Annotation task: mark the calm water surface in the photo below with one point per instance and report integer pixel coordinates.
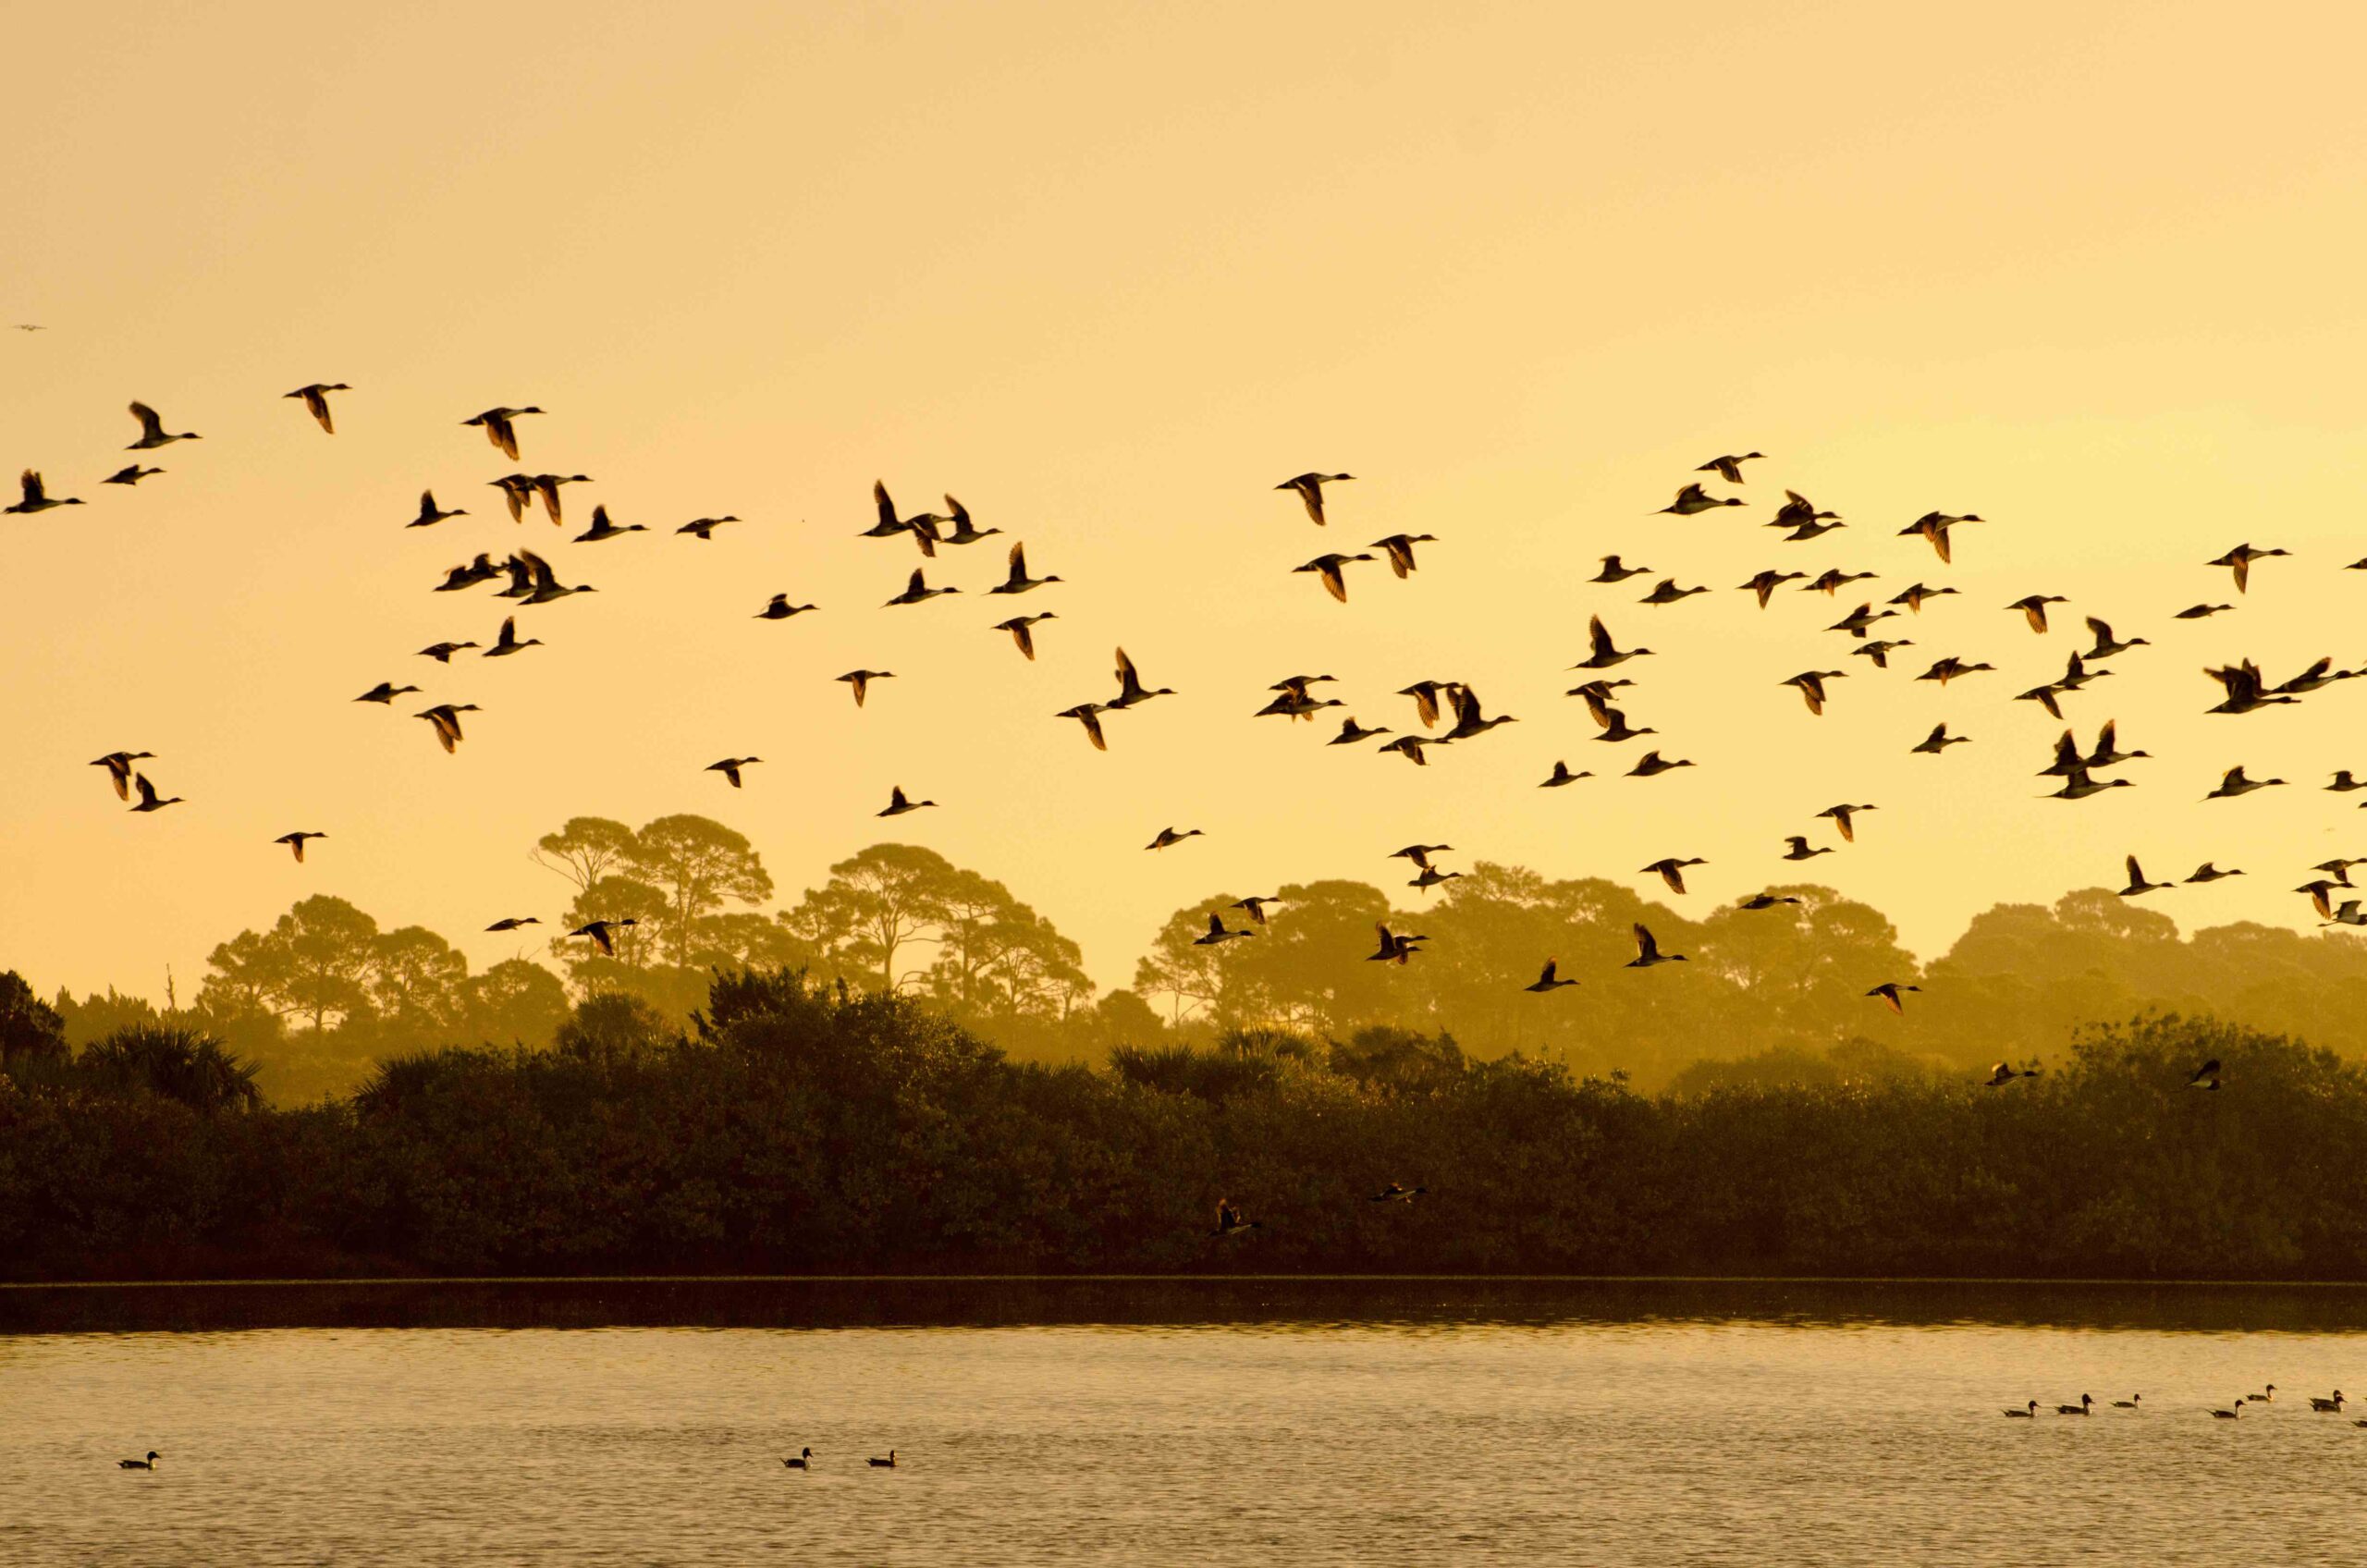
(1221, 1422)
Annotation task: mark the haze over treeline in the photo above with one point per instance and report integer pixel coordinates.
(318, 997)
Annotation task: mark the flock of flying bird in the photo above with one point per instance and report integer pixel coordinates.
(529, 580)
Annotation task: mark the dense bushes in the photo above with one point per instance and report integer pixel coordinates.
(793, 1130)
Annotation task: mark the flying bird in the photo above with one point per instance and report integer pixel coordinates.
(152, 431)
(1020, 627)
(859, 681)
(1168, 836)
(603, 933)
(1018, 581)
(1888, 991)
(702, 528)
(119, 767)
(1647, 952)
(132, 474)
(496, 423)
(1729, 468)
(295, 841)
(37, 498)
(1400, 549)
(316, 400)
(897, 805)
(1693, 499)
(1328, 567)
(1310, 490)
(148, 801)
(385, 691)
(730, 767)
(1545, 981)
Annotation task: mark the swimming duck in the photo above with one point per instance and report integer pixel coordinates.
(2137, 886)
(316, 400)
(1647, 952)
(2240, 560)
(1654, 764)
(446, 719)
(147, 1463)
(131, 475)
(603, 933)
(1800, 851)
(804, 1460)
(886, 1463)
(1546, 981)
(1842, 818)
(897, 805)
(1765, 583)
(1351, 732)
(385, 691)
(2235, 1409)
(1131, 690)
(148, 801)
(2033, 608)
(295, 841)
(37, 498)
(1328, 568)
(2029, 1413)
(2334, 1403)
(1168, 836)
(2234, 784)
(514, 921)
(2079, 1409)
(1088, 715)
(1310, 490)
(1613, 572)
(1670, 870)
(1022, 631)
(1939, 741)
(2267, 1395)
(1400, 549)
(152, 431)
(1811, 686)
(496, 423)
(1561, 775)
(1729, 468)
(1934, 526)
(1668, 592)
(506, 641)
(119, 767)
(1018, 581)
(1693, 499)
(2131, 1403)
(1914, 595)
(1217, 934)
(730, 767)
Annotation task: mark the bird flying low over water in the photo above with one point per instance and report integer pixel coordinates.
(295, 842)
(1889, 992)
(730, 767)
(1021, 629)
(1168, 836)
(897, 805)
(119, 767)
(603, 933)
(152, 431)
(37, 498)
(316, 400)
(496, 423)
(1310, 490)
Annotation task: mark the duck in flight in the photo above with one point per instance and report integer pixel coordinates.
(780, 608)
(497, 428)
(1765, 900)
(1018, 581)
(482, 569)
(514, 921)
(1860, 621)
(1410, 748)
(1832, 580)
(1729, 468)
(445, 718)
(316, 402)
(1217, 934)
(2202, 612)
(1088, 715)
(730, 767)
(859, 682)
(1765, 583)
(2240, 560)
(1328, 568)
(506, 641)
(1648, 950)
(1393, 948)
(1668, 592)
(1560, 776)
(963, 533)
(1914, 595)
(1255, 905)
(148, 801)
(1603, 653)
(1397, 1192)
(603, 529)
(1399, 549)
(1934, 526)
(1800, 849)
(2033, 608)
(1654, 765)
(1693, 499)
(430, 514)
(1949, 668)
(918, 591)
(702, 528)
(1842, 816)
(132, 474)
(152, 431)
(2235, 783)
(1889, 991)
(295, 842)
(1131, 691)
(1811, 686)
(2137, 887)
(1351, 732)
(603, 933)
(1310, 490)
(119, 767)
(1670, 870)
(2106, 644)
(2246, 690)
(37, 498)
(1168, 836)
(441, 653)
(1229, 1223)
(1546, 981)
(1939, 741)
(2078, 784)
(2208, 872)
(897, 805)
(1613, 572)
(1022, 631)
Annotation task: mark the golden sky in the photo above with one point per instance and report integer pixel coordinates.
(1109, 273)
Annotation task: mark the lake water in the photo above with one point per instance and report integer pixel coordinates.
(1213, 1422)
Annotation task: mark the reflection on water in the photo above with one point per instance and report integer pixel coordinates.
(1206, 1421)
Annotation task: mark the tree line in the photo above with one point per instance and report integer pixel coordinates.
(792, 1126)
(324, 993)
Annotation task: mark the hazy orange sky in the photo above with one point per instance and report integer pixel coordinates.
(1108, 273)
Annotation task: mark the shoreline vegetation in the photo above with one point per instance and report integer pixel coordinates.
(797, 1128)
